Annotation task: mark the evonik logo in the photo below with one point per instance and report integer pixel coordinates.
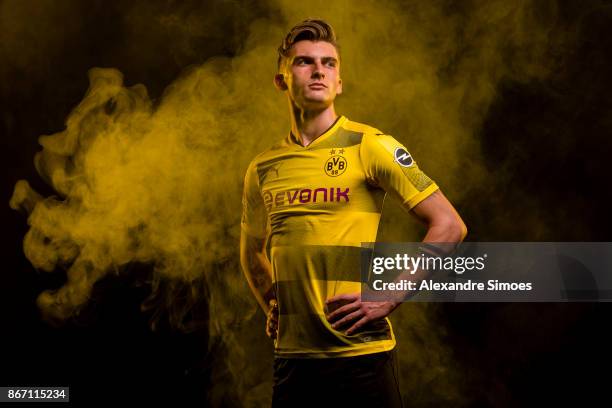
(305, 195)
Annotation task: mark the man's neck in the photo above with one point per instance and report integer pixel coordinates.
(307, 126)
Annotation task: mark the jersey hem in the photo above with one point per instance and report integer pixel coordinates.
(352, 352)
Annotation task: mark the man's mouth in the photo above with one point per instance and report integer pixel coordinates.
(317, 85)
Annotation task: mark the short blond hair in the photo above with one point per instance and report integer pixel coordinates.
(309, 29)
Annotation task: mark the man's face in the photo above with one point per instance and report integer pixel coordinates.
(311, 74)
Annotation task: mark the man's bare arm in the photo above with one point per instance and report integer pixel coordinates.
(257, 268)
(443, 222)
(444, 226)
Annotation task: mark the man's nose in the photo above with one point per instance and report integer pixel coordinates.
(318, 71)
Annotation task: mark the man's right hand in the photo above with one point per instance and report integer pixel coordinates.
(272, 319)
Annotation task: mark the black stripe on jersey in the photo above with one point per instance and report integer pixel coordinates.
(342, 138)
(273, 166)
(333, 262)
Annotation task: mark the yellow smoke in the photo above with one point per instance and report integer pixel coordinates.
(160, 183)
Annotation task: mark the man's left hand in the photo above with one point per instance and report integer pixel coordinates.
(353, 310)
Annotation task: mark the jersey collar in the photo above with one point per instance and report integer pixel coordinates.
(336, 125)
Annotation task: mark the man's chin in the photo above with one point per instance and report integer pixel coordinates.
(316, 103)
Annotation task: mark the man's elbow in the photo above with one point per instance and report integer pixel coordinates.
(459, 230)
(456, 230)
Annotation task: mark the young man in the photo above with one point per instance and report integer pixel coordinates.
(309, 202)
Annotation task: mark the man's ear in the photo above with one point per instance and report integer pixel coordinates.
(279, 82)
(339, 90)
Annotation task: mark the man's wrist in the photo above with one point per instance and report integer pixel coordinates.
(394, 303)
(270, 294)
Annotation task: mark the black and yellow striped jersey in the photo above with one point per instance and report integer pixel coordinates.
(317, 204)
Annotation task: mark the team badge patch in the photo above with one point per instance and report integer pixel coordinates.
(403, 157)
(335, 166)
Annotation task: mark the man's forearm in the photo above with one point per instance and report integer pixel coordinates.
(453, 232)
(258, 272)
(448, 237)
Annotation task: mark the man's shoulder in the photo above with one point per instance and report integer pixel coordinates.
(363, 128)
(374, 140)
(370, 136)
(269, 152)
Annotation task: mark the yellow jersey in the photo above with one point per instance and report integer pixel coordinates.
(316, 205)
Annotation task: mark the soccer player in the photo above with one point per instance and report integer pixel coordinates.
(309, 202)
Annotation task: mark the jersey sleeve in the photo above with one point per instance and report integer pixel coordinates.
(389, 165)
(254, 220)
